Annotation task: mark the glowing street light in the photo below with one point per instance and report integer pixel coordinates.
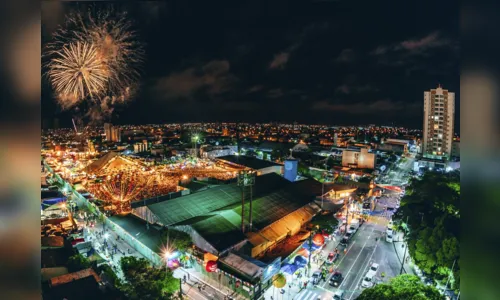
(167, 255)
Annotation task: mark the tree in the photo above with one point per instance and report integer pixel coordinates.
(430, 210)
(325, 222)
(146, 282)
(265, 156)
(275, 154)
(365, 180)
(78, 262)
(176, 239)
(330, 162)
(251, 153)
(401, 287)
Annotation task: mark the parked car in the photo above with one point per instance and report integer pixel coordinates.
(344, 241)
(332, 257)
(373, 269)
(316, 277)
(389, 231)
(336, 279)
(339, 295)
(388, 238)
(367, 281)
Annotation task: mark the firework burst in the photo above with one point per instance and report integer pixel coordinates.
(77, 72)
(115, 55)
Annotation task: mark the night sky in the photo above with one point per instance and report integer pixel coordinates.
(318, 62)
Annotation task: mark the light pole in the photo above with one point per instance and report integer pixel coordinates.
(347, 214)
(310, 253)
(404, 257)
(323, 189)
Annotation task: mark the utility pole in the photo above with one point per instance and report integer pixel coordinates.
(404, 257)
(347, 215)
(451, 274)
(310, 252)
(323, 189)
(243, 209)
(250, 213)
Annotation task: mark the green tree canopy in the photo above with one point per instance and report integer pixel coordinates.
(325, 222)
(431, 211)
(176, 240)
(402, 287)
(142, 281)
(78, 262)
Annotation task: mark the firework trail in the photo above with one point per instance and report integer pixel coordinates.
(111, 48)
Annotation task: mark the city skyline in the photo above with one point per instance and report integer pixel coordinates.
(338, 66)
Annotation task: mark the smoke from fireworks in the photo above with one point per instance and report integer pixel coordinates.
(94, 57)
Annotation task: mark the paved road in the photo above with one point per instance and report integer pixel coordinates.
(363, 250)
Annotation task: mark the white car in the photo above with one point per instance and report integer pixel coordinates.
(367, 281)
(373, 269)
(388, 238)
(389, 231)
(339, 295)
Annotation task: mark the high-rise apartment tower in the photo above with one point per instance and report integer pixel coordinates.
(439, 123)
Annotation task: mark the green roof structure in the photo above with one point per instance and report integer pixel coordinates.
(200, 203)
(222, 228)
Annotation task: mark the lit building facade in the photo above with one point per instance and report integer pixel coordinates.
(107, 131)
(439, 123)
(358, 159)
(116, 134)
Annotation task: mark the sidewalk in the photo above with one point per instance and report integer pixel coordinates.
(108, 253)
(297, 285)
(408, 267)
(198, 285)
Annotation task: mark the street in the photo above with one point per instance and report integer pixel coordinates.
(367, 246)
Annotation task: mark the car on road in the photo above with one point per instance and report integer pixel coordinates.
(351, 230)
(316, 277)
(344, 241)
(348, 235)
(373, 269)
(339, 295)
(332, 257)
(336, 279)
(368, 281)
(388, 231)
(388, 238)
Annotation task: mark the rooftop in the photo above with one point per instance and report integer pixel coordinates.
(222, 228)
(137, 228)
(74, 276)
(248, 161)
(203, 202)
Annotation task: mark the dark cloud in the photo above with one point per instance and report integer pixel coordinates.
(345, 56)
(378, 106)
(416, 45)
(275, 93)
(279, 61)
(213, 77)
(350, 89)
